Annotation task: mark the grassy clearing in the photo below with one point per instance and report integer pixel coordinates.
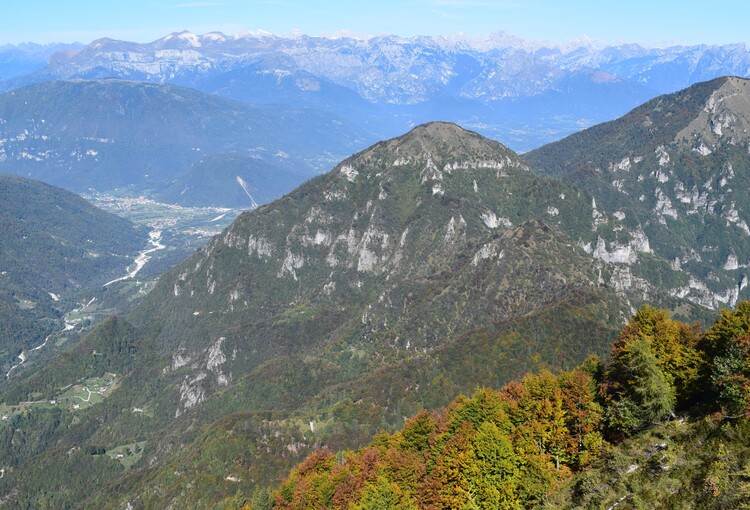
(80, 395)
(128, 454)
(87, 392)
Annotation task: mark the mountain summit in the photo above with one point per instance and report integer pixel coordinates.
(415, 257)
(420, 267)
(417, 211)
(724, 116)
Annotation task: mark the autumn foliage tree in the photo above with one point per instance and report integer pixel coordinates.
(498, 449)
(727, 350)
(653, 367)
(509, 449)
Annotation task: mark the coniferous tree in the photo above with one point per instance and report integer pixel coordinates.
(727, 349)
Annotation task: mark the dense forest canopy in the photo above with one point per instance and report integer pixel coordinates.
(549, 434)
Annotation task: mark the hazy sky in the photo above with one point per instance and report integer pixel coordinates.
(643, 21)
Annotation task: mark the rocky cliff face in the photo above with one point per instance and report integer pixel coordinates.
(393, 254)
(400, 226)
(670, 181)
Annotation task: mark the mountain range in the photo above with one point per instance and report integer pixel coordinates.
(670, 179)
(338, 95)
(523, 92)
(22, 59)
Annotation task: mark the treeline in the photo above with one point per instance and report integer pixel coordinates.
(510, 448)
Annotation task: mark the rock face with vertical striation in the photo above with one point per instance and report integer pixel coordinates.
(401, 247)
(670, 180)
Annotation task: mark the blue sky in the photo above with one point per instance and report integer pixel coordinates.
(647, 22)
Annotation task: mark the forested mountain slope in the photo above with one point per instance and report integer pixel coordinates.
(672, 177)
(426, 265)
(52, 244)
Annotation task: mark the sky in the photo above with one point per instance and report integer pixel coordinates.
(648, 22)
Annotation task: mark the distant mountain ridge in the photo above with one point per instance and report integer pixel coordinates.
(524, 93)
(107, 134)
(21, 59)
(360, 64)
(234, 179)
